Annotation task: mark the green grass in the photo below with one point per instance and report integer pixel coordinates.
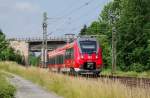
(145, 74)
(6, 89)
(75, 87)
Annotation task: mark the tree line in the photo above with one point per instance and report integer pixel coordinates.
(6, 52)
(132, 25)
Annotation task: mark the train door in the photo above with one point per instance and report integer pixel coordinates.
(69, 57)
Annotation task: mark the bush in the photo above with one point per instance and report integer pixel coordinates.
(33, 60)
(6, 89)
(137, 67)
(106, 50)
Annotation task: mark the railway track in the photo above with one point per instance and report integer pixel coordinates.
(129, 81)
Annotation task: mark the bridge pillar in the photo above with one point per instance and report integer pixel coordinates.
(23, 48)
(26, 54)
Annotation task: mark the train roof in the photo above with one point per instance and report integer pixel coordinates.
(69, 45)
(86, 39)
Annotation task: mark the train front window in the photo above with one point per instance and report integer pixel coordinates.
(88, 46)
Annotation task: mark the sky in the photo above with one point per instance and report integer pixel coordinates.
(23, 18)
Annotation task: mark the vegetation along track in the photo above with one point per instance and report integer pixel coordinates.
(129, 81)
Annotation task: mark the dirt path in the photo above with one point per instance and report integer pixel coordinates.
(26, 89)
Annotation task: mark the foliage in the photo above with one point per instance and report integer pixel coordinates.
(106, 48)
(83, 30)
(6, 52)
(133, 33)
(143, 74)
(132, 38)
(137, 67)
(6, 90)
(33, 60)
(3, 42)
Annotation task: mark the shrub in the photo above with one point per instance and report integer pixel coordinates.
(137, 67)
(6, 89)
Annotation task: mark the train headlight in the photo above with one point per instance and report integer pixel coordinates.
(89, 57)
(96, 56)
(82, 57)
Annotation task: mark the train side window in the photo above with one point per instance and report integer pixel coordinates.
(52, 61)
(60, 59)
(66, 54)
(55, 60)
(49, 60)
(69, 53)
(63, 57)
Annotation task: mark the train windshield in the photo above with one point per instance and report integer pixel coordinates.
(88, 46)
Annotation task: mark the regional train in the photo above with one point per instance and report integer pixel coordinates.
(82, 56)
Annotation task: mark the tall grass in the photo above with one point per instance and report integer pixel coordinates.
(76, 87)
(6, 89)
(145, 74)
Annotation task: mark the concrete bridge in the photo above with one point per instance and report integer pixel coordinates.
(27, 45)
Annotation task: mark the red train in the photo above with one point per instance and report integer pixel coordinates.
(83, 56)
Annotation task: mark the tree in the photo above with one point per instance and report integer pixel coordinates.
(133, 33)
(132, 38)
(6, 52)
(33, 59)
(3, 43)
(83, 30)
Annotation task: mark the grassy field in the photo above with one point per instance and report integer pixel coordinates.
(129, 73)
(6, 89)
(75, 87)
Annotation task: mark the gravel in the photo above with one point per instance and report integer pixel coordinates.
(26, 89)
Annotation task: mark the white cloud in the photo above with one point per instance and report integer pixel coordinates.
(19, 16)
(25, 6)
(7, 6)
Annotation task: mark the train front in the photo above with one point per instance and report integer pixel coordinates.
(88, 56)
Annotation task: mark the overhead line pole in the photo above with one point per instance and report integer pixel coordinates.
(114, 43)
(44, 42)
(114, 56)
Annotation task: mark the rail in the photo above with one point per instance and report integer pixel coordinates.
(129, 81)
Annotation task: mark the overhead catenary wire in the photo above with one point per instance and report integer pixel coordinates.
(59, 17)
(62, 17)
(72, 11)
(77, 9)
(86, 14)
(78, 18)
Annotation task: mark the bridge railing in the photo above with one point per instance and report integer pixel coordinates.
(30, 39)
